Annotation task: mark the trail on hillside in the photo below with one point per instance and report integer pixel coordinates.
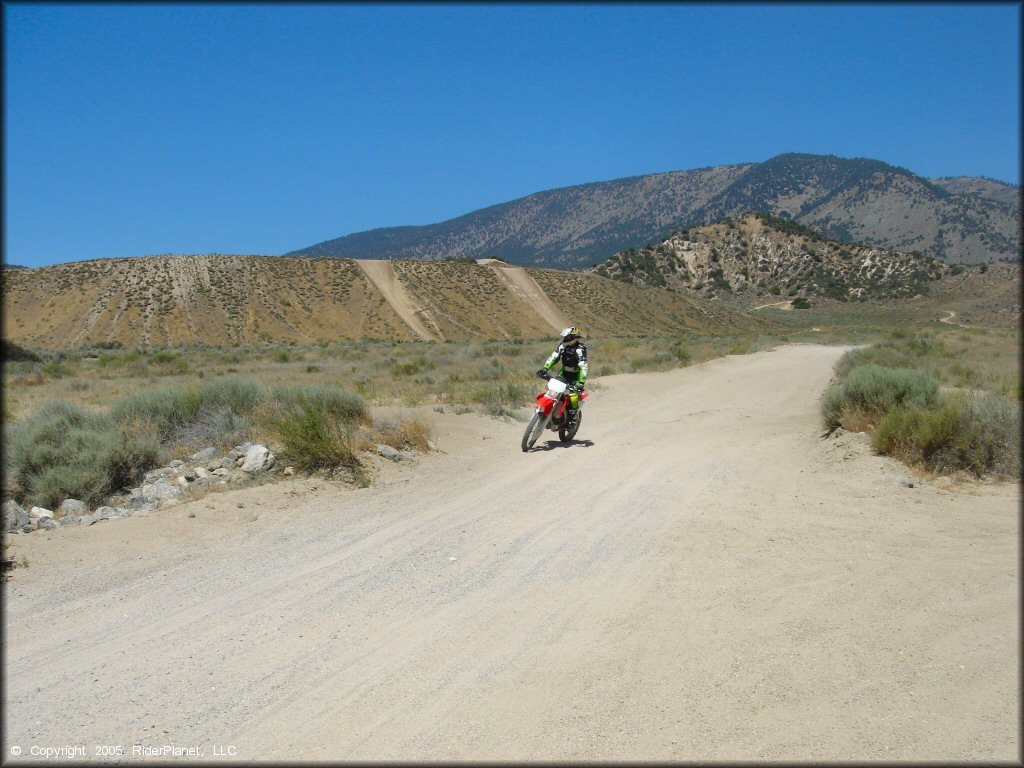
(382, 274)
(948, 319)
(520, 282)
(706, 579)
(783, 304)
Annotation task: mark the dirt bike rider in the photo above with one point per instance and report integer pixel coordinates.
(573, 355)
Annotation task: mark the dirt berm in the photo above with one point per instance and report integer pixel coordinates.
(700, 577)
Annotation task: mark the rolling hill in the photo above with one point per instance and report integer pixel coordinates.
(226, 299)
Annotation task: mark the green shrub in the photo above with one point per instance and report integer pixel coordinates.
(979, 435)
(658, 361)
(1000, 431)
(63, 452)
(503, 392)
(889, 357)
(57, 370)
(168, 409)
(832, 406)
(314, 442)
(329, 401)
(237, 395)
(316, 425)
(877, 389)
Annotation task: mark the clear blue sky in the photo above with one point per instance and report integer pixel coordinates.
(258, 129)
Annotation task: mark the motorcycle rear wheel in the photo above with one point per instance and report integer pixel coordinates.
(565, 434)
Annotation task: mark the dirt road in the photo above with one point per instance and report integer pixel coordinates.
(707, 580)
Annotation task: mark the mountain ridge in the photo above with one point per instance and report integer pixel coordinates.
(968, 219)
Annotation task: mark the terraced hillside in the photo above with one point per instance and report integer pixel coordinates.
(226, 299)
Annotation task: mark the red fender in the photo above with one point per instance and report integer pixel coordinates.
(544, 403)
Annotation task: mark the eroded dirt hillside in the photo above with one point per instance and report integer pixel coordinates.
(216, 299)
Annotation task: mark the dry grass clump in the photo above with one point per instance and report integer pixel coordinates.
(401, 434)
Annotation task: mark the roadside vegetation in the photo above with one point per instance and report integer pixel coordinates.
(88, 423)
(107, 414)
(945, 402)
(64, 450)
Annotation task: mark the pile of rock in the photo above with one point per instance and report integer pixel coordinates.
(159, 488)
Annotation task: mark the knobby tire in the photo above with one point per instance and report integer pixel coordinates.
(533, 430)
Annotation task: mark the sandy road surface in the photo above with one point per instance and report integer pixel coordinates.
(710, 580)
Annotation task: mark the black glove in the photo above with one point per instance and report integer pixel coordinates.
(542, 373)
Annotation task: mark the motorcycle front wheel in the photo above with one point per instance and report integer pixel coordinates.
(533, 430)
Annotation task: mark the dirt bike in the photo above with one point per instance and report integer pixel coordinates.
(552, 405)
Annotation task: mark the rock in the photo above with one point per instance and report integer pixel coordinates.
(907, 482)
(176, 463)
(201, 473)
(391, 454)
(189, 475)
(155, 475)
(222, 472)
(37, 512)
(238, 476)
(139, 502)
(289, 471)
(215, 464)
(161, 492)
(72, 507)
(257, 459)
(206, 454)
(69, 519)
(228, 462)
(182, 481)
(15, 518)
(90, 519)
(48, 524)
